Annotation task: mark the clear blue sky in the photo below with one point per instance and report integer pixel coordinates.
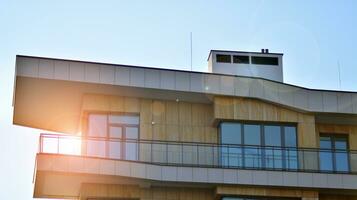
(313, 35)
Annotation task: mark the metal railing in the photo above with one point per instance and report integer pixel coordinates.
(204, 154)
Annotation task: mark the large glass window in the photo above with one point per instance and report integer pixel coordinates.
(113, 136)
(333, 153)
(258, 145)
(252, 153)
(231, 155)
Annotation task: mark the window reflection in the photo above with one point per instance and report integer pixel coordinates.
(257, 146)
(333, 153)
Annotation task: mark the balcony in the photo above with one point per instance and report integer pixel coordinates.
(187, 154)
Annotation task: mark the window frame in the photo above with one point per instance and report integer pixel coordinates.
(333, 137)
(108, 125)
(262, 142)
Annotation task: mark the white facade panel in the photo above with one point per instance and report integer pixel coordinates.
(46, 69)
(107, 74)
(27, 67)
(344, 103)
(301, 99)
(212, 83)
(329, 101)
(61, 70)
(315, 100)
(227, 85)
(197, 83)
(122, 76)
(184, 174)
(241, 86)
(92, 73)
(152, 78)
(167, 80)
(137, 77)
(169, 173)
(182, 80)
(76, 71)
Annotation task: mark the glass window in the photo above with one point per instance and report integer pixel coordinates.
(259, 60)
(333, 153)
(291, 154)
(97, 125)
(252, 134)
(114, 129)
(255, 145)
(273, 154)
(241, 59)
(252, 154)
(231, 155)
(131, 147)
(223, 58)
(123, 119)
(272, 136)
(231, 133)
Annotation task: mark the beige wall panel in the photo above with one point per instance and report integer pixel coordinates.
(286, 115)
(186, 133)
(172, 112)
(116, 103)
(241, 110)
(146, 131)
(173, 132)
(96, 102)
(270, 113)
(255, 110)
(223, 108)
(199, 114)
(131, 105)
(159, 132)
(306, 135)
(211, 135)
(158, 111)
(198, 134)
(145, 111)
(185, 113)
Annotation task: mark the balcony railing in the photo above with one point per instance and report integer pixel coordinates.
(204, 154)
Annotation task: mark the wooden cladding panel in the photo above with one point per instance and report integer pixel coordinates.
(105, 191)
(159, 120)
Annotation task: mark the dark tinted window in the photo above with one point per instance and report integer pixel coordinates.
(265, 60)
(232, 133)
(223, 58)
(241, 59)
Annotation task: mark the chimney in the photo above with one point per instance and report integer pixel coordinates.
(262, 51)
(266, 50)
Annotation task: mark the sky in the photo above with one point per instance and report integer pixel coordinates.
(315, 36)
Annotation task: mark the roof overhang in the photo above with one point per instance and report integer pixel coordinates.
(48, 91)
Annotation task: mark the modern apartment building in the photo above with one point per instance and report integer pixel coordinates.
(235, 132)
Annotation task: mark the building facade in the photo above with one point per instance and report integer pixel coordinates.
(236, 132)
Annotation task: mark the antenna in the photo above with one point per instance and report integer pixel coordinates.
(339, 73)
(191, 48)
